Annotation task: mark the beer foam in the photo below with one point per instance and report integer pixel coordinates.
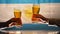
(36, 6)
(17, 10)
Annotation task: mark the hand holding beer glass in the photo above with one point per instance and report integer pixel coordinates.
(16, 21)
(35, 9)
(36, 17)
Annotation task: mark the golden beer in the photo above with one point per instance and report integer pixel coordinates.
(17, 13)
(36, 9)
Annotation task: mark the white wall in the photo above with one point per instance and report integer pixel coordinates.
(51, 10)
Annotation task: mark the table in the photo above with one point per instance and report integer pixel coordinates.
(35, 27)
(32, 29)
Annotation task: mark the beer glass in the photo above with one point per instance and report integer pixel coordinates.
(17, 13)
(36, 9)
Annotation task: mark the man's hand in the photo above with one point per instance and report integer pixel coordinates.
(39, 18)
(14, 21)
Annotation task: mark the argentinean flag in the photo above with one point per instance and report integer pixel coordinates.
(48, 8)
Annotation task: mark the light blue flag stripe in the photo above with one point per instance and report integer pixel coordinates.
(28, 1)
